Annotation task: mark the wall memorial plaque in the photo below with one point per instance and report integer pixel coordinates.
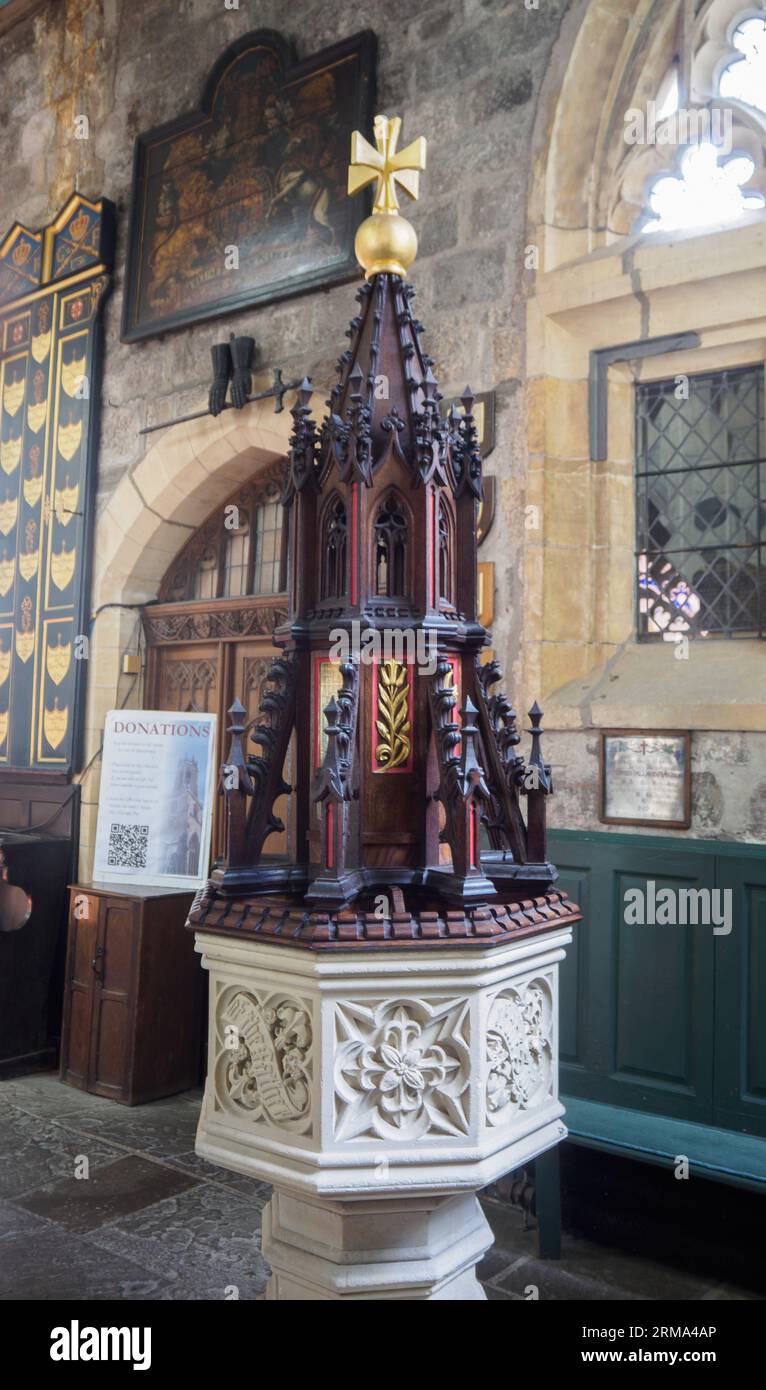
(244, 201)
(646, 778)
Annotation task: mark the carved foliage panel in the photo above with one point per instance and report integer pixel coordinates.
(520, 1049)
(264, 1058)
(402, 1069)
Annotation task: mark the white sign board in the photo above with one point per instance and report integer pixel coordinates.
(156, 802)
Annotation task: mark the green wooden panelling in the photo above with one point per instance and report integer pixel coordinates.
(740, 1089)
(664, 1020)
(712, 1152)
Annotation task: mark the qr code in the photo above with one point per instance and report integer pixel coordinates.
(127, 846)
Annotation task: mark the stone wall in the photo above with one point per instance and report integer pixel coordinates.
(464, 73)
(480, 79)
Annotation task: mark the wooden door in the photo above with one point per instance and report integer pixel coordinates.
(113, 998)
(79, 989)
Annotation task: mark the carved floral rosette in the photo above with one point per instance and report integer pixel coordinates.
(519, 1050)
(402, 1069)
(264, 1058)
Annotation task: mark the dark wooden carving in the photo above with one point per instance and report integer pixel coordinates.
(338, 879)
(407, 772)
(252, 783)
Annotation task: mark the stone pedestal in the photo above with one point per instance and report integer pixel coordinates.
(378, 1091)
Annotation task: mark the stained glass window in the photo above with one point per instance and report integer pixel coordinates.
(701, 506)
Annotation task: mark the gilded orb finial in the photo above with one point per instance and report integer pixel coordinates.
(386, 241)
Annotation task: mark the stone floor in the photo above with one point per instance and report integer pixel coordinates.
(153, 1221)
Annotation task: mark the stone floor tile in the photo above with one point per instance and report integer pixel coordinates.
(638, 1276)
(238, 1182)
(128, 1184)
(34, 1153)
(206, 1236)
(554, 1281)
(14, 1221)
(160, 1128)
(55, 1264)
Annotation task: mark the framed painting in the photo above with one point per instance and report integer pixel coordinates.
(243, 202)
(646, 777)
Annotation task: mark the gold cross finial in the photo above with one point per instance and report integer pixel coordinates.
(385, 165)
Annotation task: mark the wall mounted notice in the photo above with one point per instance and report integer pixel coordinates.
(156, 801)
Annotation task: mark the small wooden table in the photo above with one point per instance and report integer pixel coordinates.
(133, 993)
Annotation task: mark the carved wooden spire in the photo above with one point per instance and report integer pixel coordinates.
(406, 767)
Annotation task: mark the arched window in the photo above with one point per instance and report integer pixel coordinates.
(712, 172)
(446, 551)
(334, 550)
(391, 548)
(240, 550)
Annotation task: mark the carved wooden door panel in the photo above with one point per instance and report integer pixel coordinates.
(189, 678)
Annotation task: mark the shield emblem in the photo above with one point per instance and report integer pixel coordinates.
(36, 415)
(28, 564)
(72, 374)
(25, 645)
(55, 723)
(69, 439)
(62, 567)
(7, 568)
(13, 395)
(41, 345)
(58, 660)
(32, 489)
(10, 453)
(9, 510)
(65, 503)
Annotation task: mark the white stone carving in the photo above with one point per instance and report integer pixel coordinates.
(402, 1068)
(519, 1050)
(264, 1065)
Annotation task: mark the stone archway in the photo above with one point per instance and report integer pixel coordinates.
(155, 507)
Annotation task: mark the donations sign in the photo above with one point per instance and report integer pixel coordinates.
(156, 801)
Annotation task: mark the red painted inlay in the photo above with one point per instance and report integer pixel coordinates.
(472, 838)
(431, 547)
(330, 836)
(354, 538)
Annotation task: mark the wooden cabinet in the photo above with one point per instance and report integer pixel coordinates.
(133, 994)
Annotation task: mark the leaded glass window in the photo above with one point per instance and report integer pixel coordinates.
(267, 558)
(700, 508)
(236, 547)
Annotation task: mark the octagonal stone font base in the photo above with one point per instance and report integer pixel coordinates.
(378, 1092)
